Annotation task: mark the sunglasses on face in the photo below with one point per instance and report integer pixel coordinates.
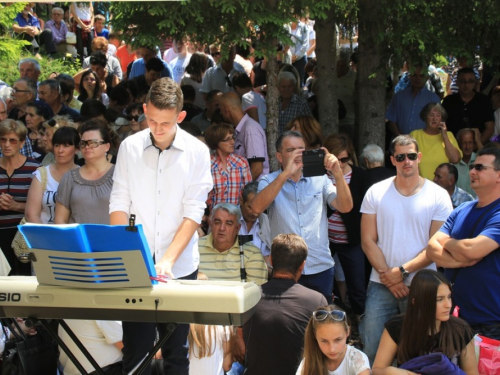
(402, 157)
(214, 54)
(321, 315)
(480, 167)
(92, 143)
(135, 118)
(344, 160)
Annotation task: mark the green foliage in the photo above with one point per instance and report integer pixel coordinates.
(10, 48)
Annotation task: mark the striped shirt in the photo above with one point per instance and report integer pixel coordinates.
(17, 186)
(337, 232)
(228, 183)
(226, 265)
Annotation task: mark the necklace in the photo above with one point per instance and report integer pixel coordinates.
(411, 192)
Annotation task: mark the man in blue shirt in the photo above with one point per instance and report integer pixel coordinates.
(297, 204)
(139, 65)
(28, 26)
(100, 30)
(403, 113)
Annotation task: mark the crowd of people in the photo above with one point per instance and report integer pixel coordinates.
(178, 139)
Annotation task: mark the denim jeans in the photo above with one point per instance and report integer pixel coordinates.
(321, 282)
(381, 306)
(138, 340)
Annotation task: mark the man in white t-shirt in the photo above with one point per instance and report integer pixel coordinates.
(251, 102)
(102, 339)
(400, 214)
(179, 63)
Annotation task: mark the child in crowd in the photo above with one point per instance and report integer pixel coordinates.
(427, 327)
(326, 351)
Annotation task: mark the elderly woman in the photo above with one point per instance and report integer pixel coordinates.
(344, 229)
(436, 144)
(310, 130)
(230, 172)
(15, 177)
(47, 132)
(36, 113)
(41, 203)
(83, 193)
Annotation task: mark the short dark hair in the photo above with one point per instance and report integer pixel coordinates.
(30, 85)
(188, 92)
(96, 124)
(215, 133)
(92, 108)
(165, 94)
(289, 133)
(53, 84)
(242, 80)
(67, 79)
(491, 151)
(250, 188)
(288, 252)
(452, 170)
(191, 128)
(402, 140)
(154, 64)
(466, 70)
(211, 94)
(120, 95)
(66, 135)
(98, 58)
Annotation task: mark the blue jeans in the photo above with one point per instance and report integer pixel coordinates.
(381, 306)
(138, 341)
(321, 282)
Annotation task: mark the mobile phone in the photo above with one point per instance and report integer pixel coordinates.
(313, 161)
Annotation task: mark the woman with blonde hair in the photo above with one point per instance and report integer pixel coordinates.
(310, 130)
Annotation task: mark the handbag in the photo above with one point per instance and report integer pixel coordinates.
(70, 37)
(29, 355)
(489, 356)
(19, 244)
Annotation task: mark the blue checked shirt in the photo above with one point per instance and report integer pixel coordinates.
(298, 106)
(300, 208)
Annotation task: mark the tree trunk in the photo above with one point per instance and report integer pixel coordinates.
(326, 55)
(371, 75)
(272, 112)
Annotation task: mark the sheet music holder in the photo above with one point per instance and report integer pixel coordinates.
(90, 255)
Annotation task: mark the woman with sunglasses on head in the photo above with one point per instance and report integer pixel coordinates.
(230, 172)
(427, 327)
(91, 88)
(344, 229)
(36, 113)
(41, 203)
(326, 351)
(15, 177)
(436, 144)
(83, 194)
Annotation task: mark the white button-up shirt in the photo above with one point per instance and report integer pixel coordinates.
(163, 188)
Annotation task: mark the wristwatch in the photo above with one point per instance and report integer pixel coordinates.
(404, 272)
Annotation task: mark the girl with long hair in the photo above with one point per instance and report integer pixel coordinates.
(326, 351)
(426, 327)
(209, 350)
(91, 88)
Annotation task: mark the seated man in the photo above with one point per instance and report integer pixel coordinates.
(220, 250)
(468, 140)
(154, 67)
(446, 176)
(100, 30)
(274, 335)
(59, 30)
(251, 223)
(28, 26)
(49, 92)
(102, 339)
(139, 66)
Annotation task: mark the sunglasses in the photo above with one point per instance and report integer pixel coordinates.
(480, 167)
(401, 157)
(321, 315)
(213, 54)
(92, 143)
(344, 160)
(12, 141)
(135, 118)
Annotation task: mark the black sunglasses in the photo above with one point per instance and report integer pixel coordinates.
(401, 157)
(480, 167)
(213, 54)
(135, 118)
(344, 160)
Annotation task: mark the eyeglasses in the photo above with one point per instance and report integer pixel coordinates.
(213, 54)
(229, 139)
(135, 118)
(92, 143)
(12, 141)
(15, 91)
(344, 160)
(401, 157)
(228, 81)
(321, 315)
(480, 167)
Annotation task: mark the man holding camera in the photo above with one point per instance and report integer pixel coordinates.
(297, 204)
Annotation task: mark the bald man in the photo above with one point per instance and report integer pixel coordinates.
(250, 137)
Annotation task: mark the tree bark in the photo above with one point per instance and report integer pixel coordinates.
(272, 112)
(326, 72)
(371, 75)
